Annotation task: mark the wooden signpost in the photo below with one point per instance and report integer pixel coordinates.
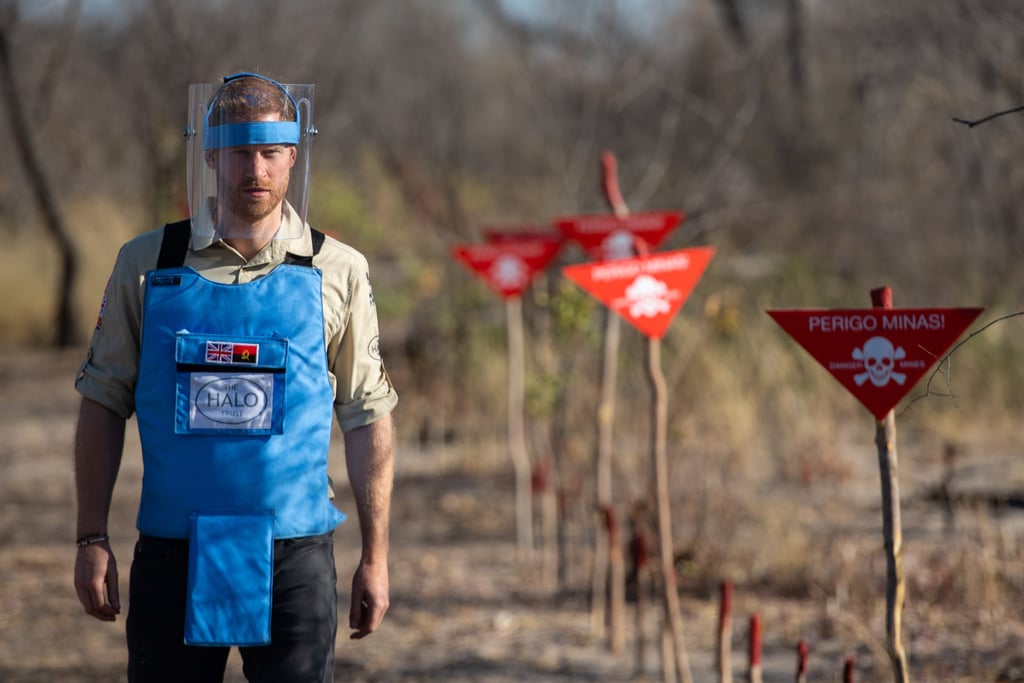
(608, 237)
(647, 291)
(540, 485)
(879, 354)
(508, 266)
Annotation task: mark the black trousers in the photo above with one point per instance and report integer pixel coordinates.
(304, 617)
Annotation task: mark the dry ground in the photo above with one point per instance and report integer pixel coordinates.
(463, 607)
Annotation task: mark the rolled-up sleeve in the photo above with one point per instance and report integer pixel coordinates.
(109, 371)
(363, 389)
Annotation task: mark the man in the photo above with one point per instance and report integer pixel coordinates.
(233, 337)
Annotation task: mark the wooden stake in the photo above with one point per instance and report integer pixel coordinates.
(639, 550)
(517, 428)
(672, 641)
(725, 634)
(666, 547)
(617, 564)
(754, 672)
(801, 662)
(608, 560)
(895, 589)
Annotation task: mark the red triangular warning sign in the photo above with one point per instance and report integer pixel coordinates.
(647, 291)
(508, 266)
(521, 233)
(878, 354)
(606, 236)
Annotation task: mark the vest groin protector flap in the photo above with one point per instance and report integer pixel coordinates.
(230, 576)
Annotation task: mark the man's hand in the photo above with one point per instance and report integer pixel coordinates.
(96, 581)
(369, 599)
(369, 457)
(99, 439)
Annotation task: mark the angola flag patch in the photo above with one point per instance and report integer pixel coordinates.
(232, 353)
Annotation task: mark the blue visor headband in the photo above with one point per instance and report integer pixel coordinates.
(251, 132)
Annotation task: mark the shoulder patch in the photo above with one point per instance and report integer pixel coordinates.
(370, 286)
(103, 306)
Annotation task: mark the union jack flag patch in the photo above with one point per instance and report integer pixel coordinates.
(219, 352)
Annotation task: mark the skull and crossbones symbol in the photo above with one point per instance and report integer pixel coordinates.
(879, 356)
(648, 297)
(618, 245)
(509, 271)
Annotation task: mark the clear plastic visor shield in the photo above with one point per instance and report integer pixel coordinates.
(231, 181)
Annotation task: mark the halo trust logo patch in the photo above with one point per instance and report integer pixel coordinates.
(374, 348)
(231, 401)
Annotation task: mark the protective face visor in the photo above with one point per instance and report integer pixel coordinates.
(248, 151)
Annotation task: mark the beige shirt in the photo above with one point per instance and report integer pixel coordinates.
(362, 389)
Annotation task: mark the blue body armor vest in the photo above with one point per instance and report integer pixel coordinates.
(233, 401)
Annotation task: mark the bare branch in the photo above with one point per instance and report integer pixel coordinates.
(977, 122)
(58, 58)
(735, 23)
(947, 362)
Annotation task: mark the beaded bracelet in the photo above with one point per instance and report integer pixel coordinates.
(90, 539)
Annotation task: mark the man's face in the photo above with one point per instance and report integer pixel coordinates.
(252, 179)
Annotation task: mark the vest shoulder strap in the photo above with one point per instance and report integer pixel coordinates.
(317, 238)
(174, 245)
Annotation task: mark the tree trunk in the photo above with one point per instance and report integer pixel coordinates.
(66, 331)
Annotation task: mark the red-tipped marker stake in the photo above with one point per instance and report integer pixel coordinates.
(755, 649)
(801, 662)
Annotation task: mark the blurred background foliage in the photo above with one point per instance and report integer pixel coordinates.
(810, 142)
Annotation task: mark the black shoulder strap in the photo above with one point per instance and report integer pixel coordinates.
(174, 245)
(317, 238)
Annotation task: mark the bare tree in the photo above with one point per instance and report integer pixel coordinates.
(65, 329)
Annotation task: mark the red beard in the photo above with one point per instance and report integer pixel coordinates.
(243, 204)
